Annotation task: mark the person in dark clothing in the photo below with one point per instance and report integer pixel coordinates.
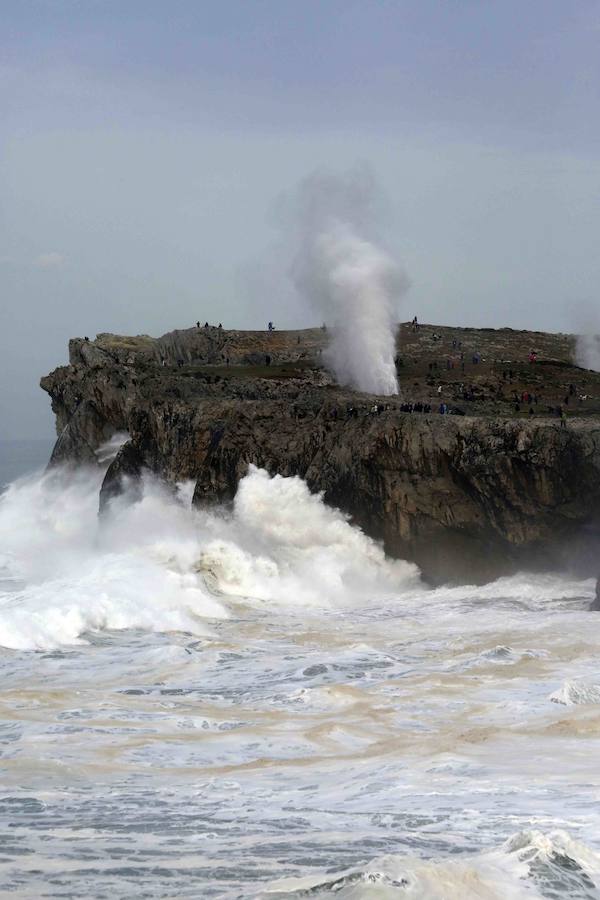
(267, 360)
(206, 324)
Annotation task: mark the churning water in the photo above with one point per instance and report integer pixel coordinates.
(259, 704)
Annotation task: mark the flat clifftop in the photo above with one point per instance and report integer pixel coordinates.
(432, 357)
(499, 481)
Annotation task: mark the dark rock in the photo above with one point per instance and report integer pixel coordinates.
(84, 432)
(123, 475)
(465, 496)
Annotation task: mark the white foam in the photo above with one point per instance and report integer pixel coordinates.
(575, 693)
(289, 547)
(157, 564)
(524, 867)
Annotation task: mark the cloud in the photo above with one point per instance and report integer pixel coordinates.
(49, 261)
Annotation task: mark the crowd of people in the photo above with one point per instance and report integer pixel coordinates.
(353, 412)
(525, 400)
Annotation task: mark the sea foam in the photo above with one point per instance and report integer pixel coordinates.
(160, 565)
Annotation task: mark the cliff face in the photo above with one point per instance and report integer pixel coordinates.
(465, 496)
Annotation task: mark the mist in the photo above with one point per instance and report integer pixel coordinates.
(342, 271)
(587, 348)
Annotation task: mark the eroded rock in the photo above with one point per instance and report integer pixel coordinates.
(466, 497)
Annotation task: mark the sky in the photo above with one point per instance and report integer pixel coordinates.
(145, 144)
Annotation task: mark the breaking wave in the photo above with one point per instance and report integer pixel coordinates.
(529, 864)
(160, 565)
(227, 698)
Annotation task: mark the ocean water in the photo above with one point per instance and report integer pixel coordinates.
(20, 457)
(258, 703)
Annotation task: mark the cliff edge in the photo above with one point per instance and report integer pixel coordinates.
(497, 482)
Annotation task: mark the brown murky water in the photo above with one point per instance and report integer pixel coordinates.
(263, 705)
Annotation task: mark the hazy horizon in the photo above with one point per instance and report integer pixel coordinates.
(145, 149)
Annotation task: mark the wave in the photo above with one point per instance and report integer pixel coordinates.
(576, 693)
(159, 564)
(529, 864)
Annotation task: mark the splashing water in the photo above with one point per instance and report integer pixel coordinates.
(150, 564)
(260, 703)
(588, 351)
(340, 268)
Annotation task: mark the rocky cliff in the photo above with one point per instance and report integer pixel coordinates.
(497, 482)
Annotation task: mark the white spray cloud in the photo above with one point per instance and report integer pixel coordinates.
(586, 319)
(340, 267)
(160, 565)
(587, 351)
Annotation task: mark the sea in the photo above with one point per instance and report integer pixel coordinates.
(258, 703)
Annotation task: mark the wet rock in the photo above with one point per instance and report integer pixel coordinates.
(466, 497)
(123, 475)
(83, 433)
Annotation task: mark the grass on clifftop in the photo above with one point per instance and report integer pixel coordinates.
(136, 343)
(284, 370)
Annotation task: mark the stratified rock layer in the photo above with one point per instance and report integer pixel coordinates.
(466, 495)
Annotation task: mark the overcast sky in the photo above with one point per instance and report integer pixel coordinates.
(144, 144)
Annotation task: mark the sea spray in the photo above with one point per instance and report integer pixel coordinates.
(587, 351)
(586, 319)
(159, 565)
(248, 718)
(341, 269)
